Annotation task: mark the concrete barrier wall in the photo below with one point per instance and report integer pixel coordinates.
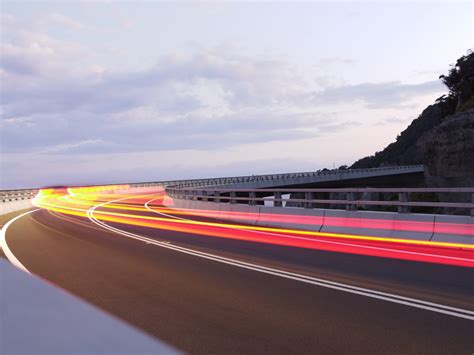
(440, 228)
(17, 205)
(135, 189)
(238, 213)
(12, 206)
(294, 218)
(39, 318)
(388, 224)
(445, 225)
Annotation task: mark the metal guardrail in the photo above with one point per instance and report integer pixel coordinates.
(12, 195)
(405, 197)
(201, 189)
(17, 195)
(222, 181)
(285, 176)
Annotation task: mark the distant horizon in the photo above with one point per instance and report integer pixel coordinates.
(167, 180)
(101, 92)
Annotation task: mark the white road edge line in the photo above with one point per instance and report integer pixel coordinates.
(322, 280)
(438, 308)
(6, 249)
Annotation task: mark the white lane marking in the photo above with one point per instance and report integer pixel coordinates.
(169, 215)
(318, 240)
(412, 302)
(6, 249)
(321, 280)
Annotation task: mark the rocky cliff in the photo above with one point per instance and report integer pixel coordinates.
(409, 147)
(442, 137)
(449, 152)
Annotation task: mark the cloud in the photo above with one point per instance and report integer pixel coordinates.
(379, 95)
(134, 167)
(30, 59)
(324, 62)
(62, 20)
(390, 121)
(58, 101)
(82, 146)
(89, 133)
(212, 98)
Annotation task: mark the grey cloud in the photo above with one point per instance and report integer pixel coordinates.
(336, 61)
(165, 107)
(88, 133)
(378, 95)
(245, 81)
(86, 146)
(390, 120)
(17, 64)
(62, 20)
(211, 99)
(106, 169)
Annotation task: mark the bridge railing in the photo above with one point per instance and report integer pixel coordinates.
(17, 195)
(13, 195)
(353, 198)
(288, 176)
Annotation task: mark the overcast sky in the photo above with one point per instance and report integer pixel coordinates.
(112, 91)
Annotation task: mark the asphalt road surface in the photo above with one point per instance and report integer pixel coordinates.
(205, 294)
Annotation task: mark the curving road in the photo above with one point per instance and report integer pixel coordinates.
(209, 287)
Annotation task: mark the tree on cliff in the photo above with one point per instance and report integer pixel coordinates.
(460, 82)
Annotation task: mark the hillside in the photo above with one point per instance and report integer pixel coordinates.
(443, 131)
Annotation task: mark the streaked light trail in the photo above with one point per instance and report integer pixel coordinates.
(120, 204)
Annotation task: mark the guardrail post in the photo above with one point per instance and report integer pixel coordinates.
(472, 200)
(252, 195)
(308, 196)
(350, 206)
(232, 197)
(403, 197)
(277, 196)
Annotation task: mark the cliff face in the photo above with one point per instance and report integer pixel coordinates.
(449, 152)
(409, 147)
(446, 148)
(442, 137)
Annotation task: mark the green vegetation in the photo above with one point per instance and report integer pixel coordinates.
(460, 82)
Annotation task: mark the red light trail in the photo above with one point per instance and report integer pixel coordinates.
(123, 205)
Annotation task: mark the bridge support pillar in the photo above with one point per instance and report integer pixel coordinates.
(351, 206)
(278, 203)
(472, 200)
(403, 197)
(308, 196)
(252, 195)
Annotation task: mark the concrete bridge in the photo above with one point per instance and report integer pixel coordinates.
(192, 259)
(389, 175)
